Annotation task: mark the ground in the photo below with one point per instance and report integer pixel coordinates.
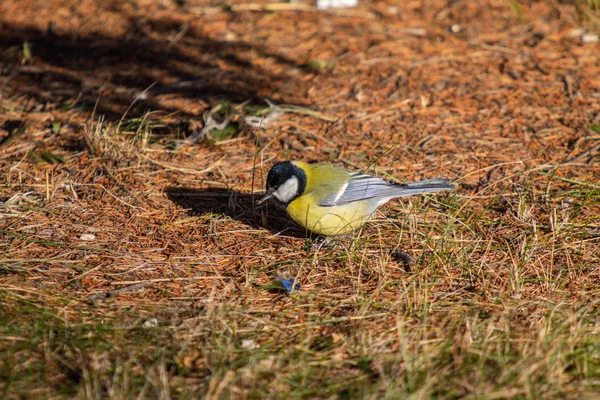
(135, 264)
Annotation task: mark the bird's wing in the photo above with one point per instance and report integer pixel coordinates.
(362, 187)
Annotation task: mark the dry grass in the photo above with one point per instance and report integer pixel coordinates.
(137, 269)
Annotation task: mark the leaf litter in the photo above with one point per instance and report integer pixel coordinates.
(494, 285)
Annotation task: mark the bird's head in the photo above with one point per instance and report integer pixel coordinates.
(285, 182)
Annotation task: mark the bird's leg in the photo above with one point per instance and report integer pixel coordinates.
(322, 241)
(325, 241)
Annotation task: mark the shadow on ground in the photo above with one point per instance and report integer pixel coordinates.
(239, 206)
(107, 74)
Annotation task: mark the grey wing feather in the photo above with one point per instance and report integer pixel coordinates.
(362, 187)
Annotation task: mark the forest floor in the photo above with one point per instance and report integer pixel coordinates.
(134, 263)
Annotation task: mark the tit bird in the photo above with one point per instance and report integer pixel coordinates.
(331, 201)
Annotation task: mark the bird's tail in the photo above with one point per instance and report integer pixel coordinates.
(426, 186)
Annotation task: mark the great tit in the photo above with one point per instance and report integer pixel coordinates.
(330, 201)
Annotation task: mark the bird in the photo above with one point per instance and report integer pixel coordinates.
(330, 201)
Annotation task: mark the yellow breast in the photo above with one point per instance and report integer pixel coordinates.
(329, 221)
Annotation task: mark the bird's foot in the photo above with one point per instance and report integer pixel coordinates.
(323, 242)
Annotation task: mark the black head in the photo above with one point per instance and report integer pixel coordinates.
(285, 182)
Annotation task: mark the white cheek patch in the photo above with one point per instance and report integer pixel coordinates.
(287, 191)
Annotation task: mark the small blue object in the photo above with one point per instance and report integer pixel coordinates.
(289, 284)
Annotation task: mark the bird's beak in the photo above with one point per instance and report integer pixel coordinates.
(266, 197)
